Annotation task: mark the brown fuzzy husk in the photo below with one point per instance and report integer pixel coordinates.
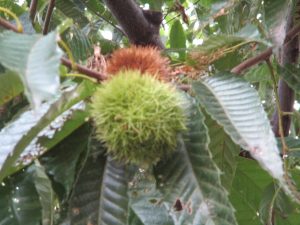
(145, 59)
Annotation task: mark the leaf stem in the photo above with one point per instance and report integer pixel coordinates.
(5, 23)
(68, 51)
(94, 80)
(271, 209)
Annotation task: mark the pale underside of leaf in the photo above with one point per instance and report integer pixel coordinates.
(36, 59)
(235, 105)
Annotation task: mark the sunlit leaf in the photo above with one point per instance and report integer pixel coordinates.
(36, 59)
(10, 86)
(235, 105)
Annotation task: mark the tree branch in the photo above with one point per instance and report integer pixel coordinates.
(48, 16)
(32, 10)
(7, 25)
(252, 61)
(65, 61)
(141, 26)
(290, 53)
(265, 54)
(83, 70)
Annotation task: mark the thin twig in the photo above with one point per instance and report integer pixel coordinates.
(84, 70)
(32, 10)
(6, 24)
(252, 61)
(265, 54)
(48, 16)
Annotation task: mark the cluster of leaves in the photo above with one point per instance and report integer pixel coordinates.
(53, 171)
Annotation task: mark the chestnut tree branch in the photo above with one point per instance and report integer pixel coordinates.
(141, 26)
(290, 54)
(252, 61)
(48, 16)
(83, 70)
(32, 10)
(7, 25)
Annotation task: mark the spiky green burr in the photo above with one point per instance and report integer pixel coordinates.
(138, 117)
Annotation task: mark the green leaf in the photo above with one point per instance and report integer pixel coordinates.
(235, 105)
(72, 10)
(178, 39)
(258, 74)
(276, 18)
(274, 203)
(13, 148)
(70, 150)
(191, 179)
(36, 59)
(86, 196)
(80, 44)
(46, 194)
(247, 190)
(290, 74)
(223, 150)
(146, 201)
(19, 200)
(114, 200)
(10, 86)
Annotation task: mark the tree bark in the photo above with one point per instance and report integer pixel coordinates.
(289, 55)
(141, 26)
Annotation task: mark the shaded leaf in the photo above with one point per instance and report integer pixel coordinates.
(14, 147)
(274, 203)
(192, 177)
(70, 150)
(223, 150)
(178, 39)
(247, 190)
(114, 200)
(84, 202)
(290, 74)
(19, 200)
(46, 194)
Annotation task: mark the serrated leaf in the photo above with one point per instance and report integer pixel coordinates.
(223, 150)
(10, 86)
(14, 146)
(84, 202)
(36, 59)
(290, 74)
(72, 10)
(247, 189)
(70, 150)
(19, 200)
(274, 203)
(114, 199)
(80, 44)
(178, 39)
(235, 105)
(46, 194)
(191, 177)
(146, 201)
